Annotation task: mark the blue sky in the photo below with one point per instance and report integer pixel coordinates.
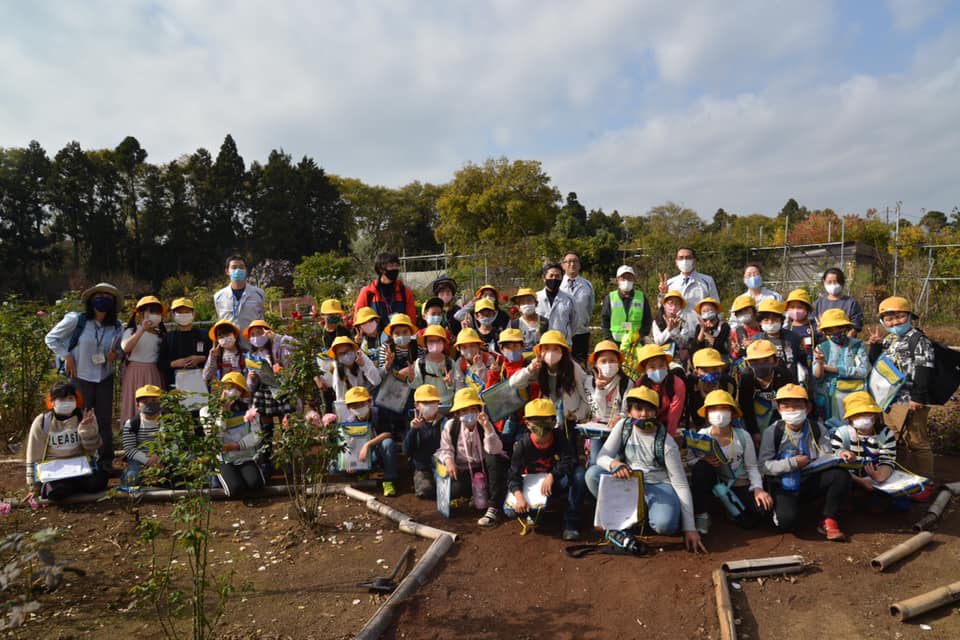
(739, 105)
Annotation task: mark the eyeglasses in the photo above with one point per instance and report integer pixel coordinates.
(573, 261)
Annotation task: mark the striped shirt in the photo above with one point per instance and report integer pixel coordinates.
(135, 444)
(880, 448)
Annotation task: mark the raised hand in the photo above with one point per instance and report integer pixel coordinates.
(662, 283)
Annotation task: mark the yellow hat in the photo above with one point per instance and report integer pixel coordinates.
(650, 351)
(742, 302)
(719, 398)
(553, 337)
(800, 295)
(483, 305)
(399, 320)
(468, 336)
(486, 286)
(540, 408)
(355, 395)
(223, 323)
(426, 393)
(708, 358)
(236, 378)
(675, 294)
(524, 291)
(712, 301)
(365, 315)
(466, 398)
(148, 391)
(792, 392)
(339, 341)
(510, 335)
(834, 318)
(145, 300)
(331, 306)
(182, 302)
(859, 402)
(761, 349)
(433, 331)
(645, 394)
(605, 345)
(895, 303)
(256, 323)
(771, 305)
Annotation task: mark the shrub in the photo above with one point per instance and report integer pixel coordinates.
(944, 428)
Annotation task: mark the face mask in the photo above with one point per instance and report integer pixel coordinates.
(369, 328)
(771, 326)
(227, 342)
(513, 356)
(528, 309)
(429, 411)
(795, 416)
(797, 315)
(392, 274)
(361, 412)
(490, 297)
(238, 275)
(685, 265)
(469, 352)
(744, 318)
(552, 357)
(608, 369)
(446, 296)
(762, 370)
(487, 320)
(719, 418)
(839, 339)
(900, 329)
(334, 320)
(647, 424)
(540, 429)
(150, 408)
(64, 407)
(155, 318)
(671, 308)
(401, 341)
(469, 419)
(710, 378)
(434, 320)
(103, 304)
(863, 424)
(259, 341)
(833, 289)
(347, 358)
(709, 315)
(183, 319)
(625, 285)
(552, 283)
(231, 393)
(657, 375)
(753, 282)
(435, 347)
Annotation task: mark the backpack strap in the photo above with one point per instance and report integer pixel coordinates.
(845, 437)
(624, 381)
(135, 424)
(455, 437)
(777, 436)
(77, 330)
(659, 443)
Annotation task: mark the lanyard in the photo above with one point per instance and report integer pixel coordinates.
(802, 445)
(236, 304)
(99, 333)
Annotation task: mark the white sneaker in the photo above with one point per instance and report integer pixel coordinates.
(489, 518)
(702, 522)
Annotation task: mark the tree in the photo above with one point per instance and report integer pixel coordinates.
(934, 221)
(793, 211)
(228, 219)
(129, 157)
(572, 219)
(71, 191)
(674, 220)
(25, 244)
(722, 220)
(323, 275)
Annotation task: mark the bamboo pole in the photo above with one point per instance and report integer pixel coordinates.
(728, 629)
(737, 566)
(425, 531)
(935, 510)
(912, 607)
(886, 559)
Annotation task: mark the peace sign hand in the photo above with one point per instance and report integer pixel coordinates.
(662, 283)
(876, 337)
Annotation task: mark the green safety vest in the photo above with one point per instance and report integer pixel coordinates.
(620, 325)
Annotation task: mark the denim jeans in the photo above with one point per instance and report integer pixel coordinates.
(131, 477)
(573, 483)
(663, 505)
(385, 455)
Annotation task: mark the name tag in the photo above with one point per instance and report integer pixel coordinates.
(626, 326)
(98, 358)
(199, 347)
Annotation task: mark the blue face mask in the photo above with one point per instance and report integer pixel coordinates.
(753, 282)
(433, 320)
(487, 321)
(513, 356)
(900, 330)
(657, 375)
(710, 378)
(238, 275)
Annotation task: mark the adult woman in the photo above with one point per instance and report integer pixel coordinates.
(833, 281)
(145, 345)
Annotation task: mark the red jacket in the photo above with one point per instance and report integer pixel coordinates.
(402, 302)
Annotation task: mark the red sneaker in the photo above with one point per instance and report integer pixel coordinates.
(831, 530)
(924, 496)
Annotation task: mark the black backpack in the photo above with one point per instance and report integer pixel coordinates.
(945, 377)
(75, 338)
(658, 442)
(778, 430)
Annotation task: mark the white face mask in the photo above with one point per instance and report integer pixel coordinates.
(369, 328)
(744, 318)
(528, 309)
(862, 424)
(64, 407)
(490, 297)
(429, 410)
(833, 289)
(227, 342)
(719, 417)
(770, 326)
(552, 357)
(401, 341)
(183, 319)
(435, 347)
(361, 412)
(469, 418)
(685, 265)
(231, 393)
(155, 318)
(608, 369)
(625, 285)
(794, 416)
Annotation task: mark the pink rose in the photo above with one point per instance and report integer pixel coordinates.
(285, 423)
(5, 508)
(41, 313)
(329, 419)
(251, 414)
(312, 417)
(32, 502)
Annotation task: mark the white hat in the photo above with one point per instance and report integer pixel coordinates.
(625, 269)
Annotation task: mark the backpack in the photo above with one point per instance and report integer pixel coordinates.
(658, 442)
(75, 338)
(448, 363)
(945, 377)
(135, 424)
(781, 425)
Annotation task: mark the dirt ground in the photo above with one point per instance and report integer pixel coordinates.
(495, 583)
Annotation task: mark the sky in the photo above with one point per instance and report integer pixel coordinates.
(628, 103)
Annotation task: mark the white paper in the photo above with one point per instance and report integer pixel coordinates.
(350, 456)
(392, 394)
(193, 386)
(617, 502)
(899, 482)
(63, 468)
(532, 491)
(594, 429)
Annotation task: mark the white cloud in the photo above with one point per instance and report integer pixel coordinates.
(910, 14)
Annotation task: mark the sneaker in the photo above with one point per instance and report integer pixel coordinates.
(489, 518)
(702, 521)
(570, 535)
(924, 496)
(831, 530)
(388, 489)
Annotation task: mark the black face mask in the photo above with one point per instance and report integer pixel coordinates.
(103, 304)
(553, 283)
(150, 408)
(392, 274)
(763, 370)
(839, 339)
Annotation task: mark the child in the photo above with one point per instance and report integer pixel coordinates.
(239, 430)
(465, 451)
(545, 449)
(675, 327)
(188, 346)
(266, 349)
(511, 348)
(840, 364)
(139, 431)
(432, 313)
(352, 368)
(912, 352)
(366, 325)
(609, 384)
(528, 322)
(734, 465)
(789, 350)
(657, 374)
(709, 374)
(714, 333)
(423, 438)
(434, 366)
(331, 317)
(473, 366)
(399, 351)
(382, 448)
(145, 348)
(744, 309)
(65, 430)
(759, 382)
(800, 321)
(445, 288)
(639, 442)
(226, 355)
(790, 444)
(865, 440)
(485, 292)
(486, 315)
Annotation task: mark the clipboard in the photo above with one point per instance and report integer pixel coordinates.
(885, 381)
(532, 491)
(194, 388)
(501, 400)
(620, 502)
(392, 394)
(353, 435)
(262, 368)
(63, 468)
(444, 487)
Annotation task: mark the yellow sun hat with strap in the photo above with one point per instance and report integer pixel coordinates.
(800, 295)
(365, 315)
(834, 318)
(340, 341)
(719, 398)
(859, 402)
(792, 392)
(708, 358)
(540, 408)
(742, 302)
(605, 345)
(148, 391)
(510, 335)
(649, 352)
(426, 393)
(331, 306)
(236, 378)
(433, 331)
(760, 349)
(552, 337)
(355, 395)
(712, 301)
(644, 394)
(399, 320)
(466, 398)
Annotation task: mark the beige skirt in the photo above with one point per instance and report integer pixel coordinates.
(136, 375)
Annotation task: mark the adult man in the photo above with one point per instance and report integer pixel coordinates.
(625, 312)
(239, 302)
(581, 290)
(387, 294)
(691, 284)
(555, 305)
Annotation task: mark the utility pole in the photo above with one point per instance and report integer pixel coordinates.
(896, 249)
